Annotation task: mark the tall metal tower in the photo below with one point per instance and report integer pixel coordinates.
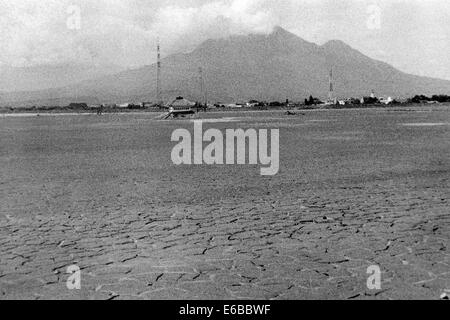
(158, 75)
(331, 92)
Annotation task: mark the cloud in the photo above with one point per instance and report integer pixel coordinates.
(212, 20)
(413, 34)
(122, 32)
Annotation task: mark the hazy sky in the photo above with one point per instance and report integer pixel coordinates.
(413, 35)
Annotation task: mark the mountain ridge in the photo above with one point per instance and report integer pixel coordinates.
(275, 66)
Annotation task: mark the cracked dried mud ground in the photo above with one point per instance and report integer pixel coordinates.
(355, 188)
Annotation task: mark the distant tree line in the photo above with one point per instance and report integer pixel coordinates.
(437, 98)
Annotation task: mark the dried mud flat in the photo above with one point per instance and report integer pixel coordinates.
(355, 188)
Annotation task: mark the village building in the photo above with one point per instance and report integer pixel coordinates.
(181, 103)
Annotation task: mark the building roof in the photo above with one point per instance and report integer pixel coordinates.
(181, 102)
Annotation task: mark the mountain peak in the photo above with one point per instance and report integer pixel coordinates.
(279, 37)
(287, 42)
(279, 29)
(281, 32)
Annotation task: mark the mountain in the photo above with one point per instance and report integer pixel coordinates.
(276, 66)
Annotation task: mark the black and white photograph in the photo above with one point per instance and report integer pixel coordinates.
(237, 151)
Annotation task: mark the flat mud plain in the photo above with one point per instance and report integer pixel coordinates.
(355, 188)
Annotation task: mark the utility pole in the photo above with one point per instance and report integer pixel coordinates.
(202, 94)
(206, 96)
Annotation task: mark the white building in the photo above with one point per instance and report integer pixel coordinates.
(387, 100)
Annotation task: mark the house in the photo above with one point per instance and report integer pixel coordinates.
(252, 104)
(386, 101)
(181, 103)
(181, 107)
